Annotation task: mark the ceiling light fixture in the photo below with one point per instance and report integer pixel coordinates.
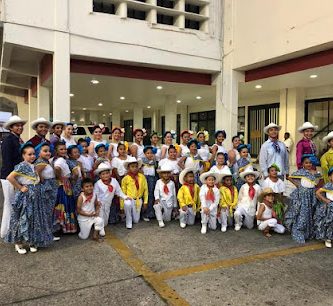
(159, 87)
(100, 104)
(122, 98)
(73, 112)
(148, 106)
(313, 76)
(198, 97)
(104, 115)
(94, 81)
(71, 95)
(126, 111)
(258, 86)
(110, 114)
(84, 108)
(179, 101)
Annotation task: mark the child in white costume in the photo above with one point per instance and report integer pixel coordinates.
(273, 181)
(210, 198)
(105, 189)
(247, 199)
(88, 211)
(165, 196)
(265, 214)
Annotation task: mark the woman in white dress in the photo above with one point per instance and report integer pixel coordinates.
(116, 136)
(185, 138)
(168, 138)
(154, 139)
(97, 138)
(67, 135)
(136, 149)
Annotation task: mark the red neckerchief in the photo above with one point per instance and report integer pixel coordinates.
(210, 196)
(166, 188)
(191, 188)
(252, 192)
(232, 191)
(108, 183)
(88, 198)
(136, 179)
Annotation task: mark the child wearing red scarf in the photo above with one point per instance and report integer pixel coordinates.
(247, 199)
(88, 208)
(209, 198)
(105, 189)
(188, 197)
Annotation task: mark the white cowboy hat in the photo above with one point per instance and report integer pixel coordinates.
(247, 171)
(12, 120)
(164, 168)
(307, 125)
(205, 175)
(132, 160)
(40, 121)
(102, 167)
(57, 122)
(271, 125)
(183, 174)
(225, 172)
(328, 137)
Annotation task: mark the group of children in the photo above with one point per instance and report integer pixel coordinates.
(66, 189)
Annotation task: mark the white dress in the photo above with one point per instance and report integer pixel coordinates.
(114, 149)
(118, 164)
(68, 141)
(173, 164)
(95, 143)
(87, 163)
(184, 149)
(139, 152)
(214, 169)
(204, 152)
(278, 187)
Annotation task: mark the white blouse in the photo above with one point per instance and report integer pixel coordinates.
(68, 141)
(61, 163)
(118, 164)
(48, 173)
(173, 164)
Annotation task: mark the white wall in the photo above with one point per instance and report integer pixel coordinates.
(266, 29)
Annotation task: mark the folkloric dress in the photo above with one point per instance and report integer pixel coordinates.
(73, 164)
(323, 218)
(238, 168)
(299, 215)
(29, 222)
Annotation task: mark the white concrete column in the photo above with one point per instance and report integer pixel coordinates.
(61, 77)
(32, 113)
(155, 120)
(115, 118)
(170, 112)
(87, 117)
(137, 116)
(43, 103)
(23, 110)
(291, 116)
(184, 118)
(93, 116)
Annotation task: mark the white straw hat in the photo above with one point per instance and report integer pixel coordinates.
(247, 171)
(183, 174)
(13, 120)
(40, 121)
(225, 172)
(205, 175)
(271, 125)
(328, 137)
(164, 168)
(102, 167)
(307, 125)
(132, 160)
(57, 122)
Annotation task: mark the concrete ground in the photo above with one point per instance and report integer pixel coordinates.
(152, 266)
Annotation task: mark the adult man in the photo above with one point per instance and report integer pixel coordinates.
(288, 141)
(41, 126)
(273, 151)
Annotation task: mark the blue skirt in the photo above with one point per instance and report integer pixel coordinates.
(323, 221)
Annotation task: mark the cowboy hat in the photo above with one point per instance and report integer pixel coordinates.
(328, 137)
(225, 172)
(164, 168)
(307, 125)
(57, 122)
(40, 121)
(271, 125)
(183, 174)
(102, 167)
(132, 160)
(13, 120)
(247, 171)
(205, 175)
(265, 192)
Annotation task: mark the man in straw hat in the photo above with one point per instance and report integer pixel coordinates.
(265, 215)
(274, 151)
(10, 150)
(41, 126)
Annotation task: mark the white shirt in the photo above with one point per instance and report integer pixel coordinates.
(87, 162)
(219, 148)
(148, 169)
(207, 203)
(214, 169)
(61, 163)
(68, 141)
(204, 152)
(104, 195)
(114, 146)
(118, 164)
(87, 207)
(170, 199)
(244, 200)
(173, 164)
(184, 149)
(267, 213)
(48, 173)
(288, 143)
(278, 187)
(190, 162)
(139, 152)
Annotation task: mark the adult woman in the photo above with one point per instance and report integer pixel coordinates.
(168, 138)
(97, 138)
(306, 145)
(154, 139)
(67, 135)
(185, 138)
(116, 135)
(11, 157)
(136, 149)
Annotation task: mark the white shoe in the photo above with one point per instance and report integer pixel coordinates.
(328, 243)
(56, 238)
(20, 249)
(204, 229)
(129, 226)
(146, 219)
(33, 249)
(237, 227)
(161, 223)
(102, 232)
(223, 229)
(182, 225)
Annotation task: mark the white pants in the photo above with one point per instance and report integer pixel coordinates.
(104, 212)
(272, 223)
(167, 212)
(132, 212)
(210, 220)
(87, 223)
(8, 195)
(225, 217)
(187, 217)
(242, 217)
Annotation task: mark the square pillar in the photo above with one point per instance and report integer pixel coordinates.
(184, 124)
(170, 112)
(43, 103)
(115, 118)
(23, 110)
(137, 117)
(32, 113)
(61, 77)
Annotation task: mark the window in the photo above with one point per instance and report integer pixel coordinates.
(192, 8)
(320, 112)
(80, 131)
(128, 126)
(192, 24)
(166, 3)
(103, 7)
(241, 121)
(164, 19)
(135, 14)
(203, 121)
